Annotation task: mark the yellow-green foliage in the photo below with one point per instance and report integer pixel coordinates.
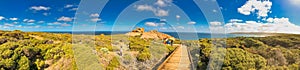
(103, 41)
(29, 50)
(144, 55)
(177, 41)
(239, 59)
(247, 53)
(113, 63)
(138, 44)
(170, 48)
(24, 63)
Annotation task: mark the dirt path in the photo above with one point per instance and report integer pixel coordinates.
(178, 60)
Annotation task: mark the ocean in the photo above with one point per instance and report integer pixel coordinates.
(179, 35)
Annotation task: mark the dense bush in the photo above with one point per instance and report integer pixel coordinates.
(113, 63)
(38, 50)
(30, 51)
(243, 53)
(144, 55)
(138, 44)
(170, 48)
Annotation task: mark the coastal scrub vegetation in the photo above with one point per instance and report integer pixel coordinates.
(54, 51)
(28, 50)
(38, 51)
(280, 52)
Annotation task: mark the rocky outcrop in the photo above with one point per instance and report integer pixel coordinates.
(136, 32)
(153, 34)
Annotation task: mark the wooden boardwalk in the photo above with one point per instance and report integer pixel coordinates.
(178, 60)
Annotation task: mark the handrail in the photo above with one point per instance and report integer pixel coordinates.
(191, 60)
(162, 64)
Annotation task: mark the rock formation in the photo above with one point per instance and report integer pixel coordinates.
(153, 34)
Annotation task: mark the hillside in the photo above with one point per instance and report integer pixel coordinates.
(49, 51)
(280, 52)
(153, 34)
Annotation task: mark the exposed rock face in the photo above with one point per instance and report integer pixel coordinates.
(149, 35)
(139, 30)
(153, 34)
(133, 34)
(136, 32)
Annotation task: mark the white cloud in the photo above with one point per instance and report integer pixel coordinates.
(180, 27)
(95, 19)
(15, 22)
(191, 23)
(31, 21)
(163, 28)
(68, 6)
(235, 20)
(46, 14)
(215, 23)
(275, 25)
(74, 9)
(161, 13)
(65, 24)
(38, 8)
(270, 19)
(216, 27)
(71, 7)
(6, 27)
(161, 3)
(37, 26)
(7, 24)
(295, 2)
(54, 23)
(41, 22)
(151, 24)
(178, 16)
(145, 8)
(214, 10)
(13, 19)
(162, 24)
(28, 20)
(262, 8)
(156, 11)
(25, 20)
(65, 19)
(1, 17)
(96, 15)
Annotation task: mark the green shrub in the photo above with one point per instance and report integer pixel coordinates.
(137, 44)
(104, 50)
(144, 55)
(24, 63)
(113, 63)
(239, 59)
(170, 48)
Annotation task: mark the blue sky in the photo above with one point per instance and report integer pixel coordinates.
(168, 15)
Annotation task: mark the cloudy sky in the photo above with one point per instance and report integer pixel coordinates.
(164, 15)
